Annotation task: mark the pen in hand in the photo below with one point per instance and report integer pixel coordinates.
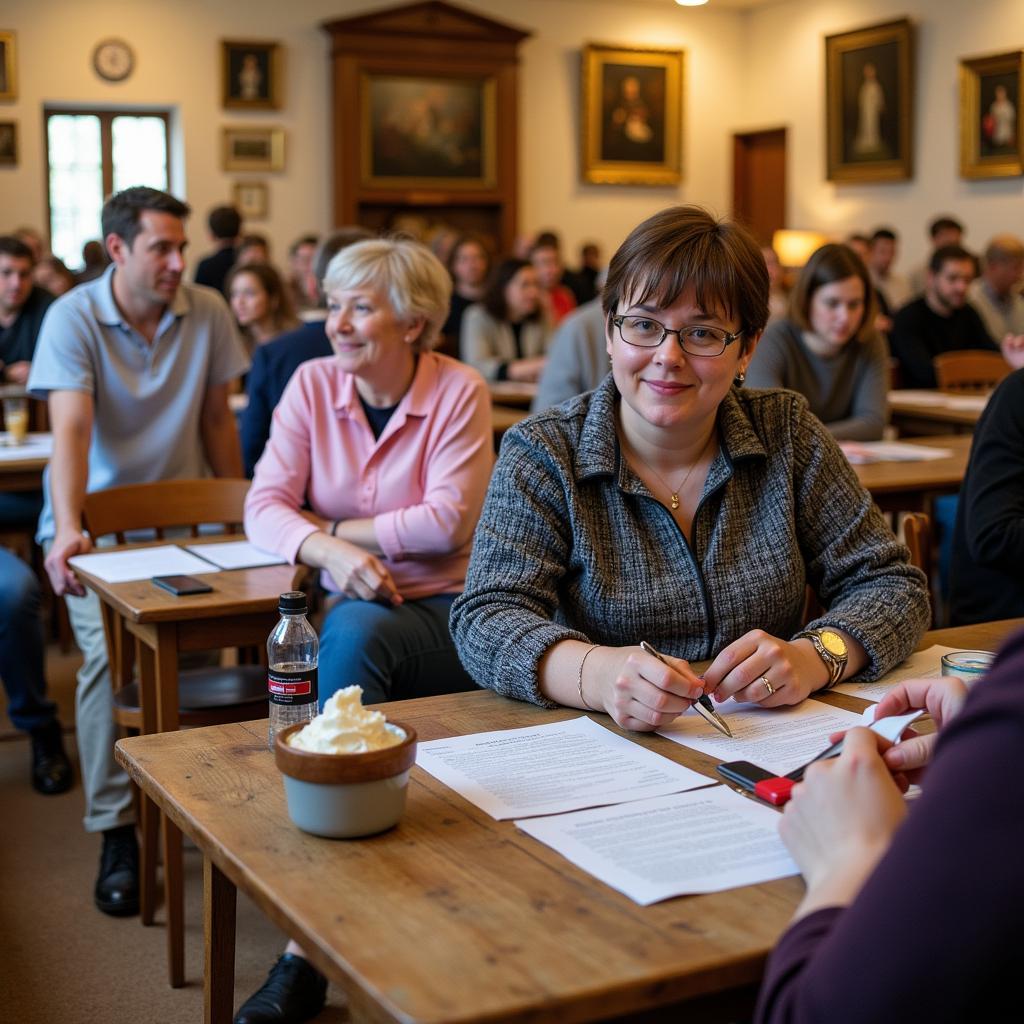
(703, 703)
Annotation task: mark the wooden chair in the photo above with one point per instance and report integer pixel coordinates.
(207, 696)
(970, 370)
(917, 535)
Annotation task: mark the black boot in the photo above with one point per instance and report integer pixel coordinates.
(117, 887)
(294, 991)
(51, 770)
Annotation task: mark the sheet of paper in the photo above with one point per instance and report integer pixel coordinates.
(967, 403)
(35, 446)
(862, 452)
(920, 665)
(703, 841)
(548, 769)
(141, 563)
(236, 554)
(777, 739)
(890, 728)
(904, 396)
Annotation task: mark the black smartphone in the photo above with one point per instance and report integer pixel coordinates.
(743, 773)
(181, 585)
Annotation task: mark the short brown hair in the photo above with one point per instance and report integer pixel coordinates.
(686, 246)
(828, 264)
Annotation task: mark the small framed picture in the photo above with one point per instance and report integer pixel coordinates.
(252, 75)
(252, 199)
(8, 67)
(631, 110)
(8, 143)
(991, 119)
(870, 103)
(253, 149)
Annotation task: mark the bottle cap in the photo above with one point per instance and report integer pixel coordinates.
(292, 603)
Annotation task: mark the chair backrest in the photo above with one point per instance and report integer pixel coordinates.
(917, 533)
(970, 370)
(164, 505)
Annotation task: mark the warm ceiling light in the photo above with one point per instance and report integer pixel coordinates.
(794, 248)
(691, 3)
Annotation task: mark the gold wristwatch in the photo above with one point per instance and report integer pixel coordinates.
(831, 648)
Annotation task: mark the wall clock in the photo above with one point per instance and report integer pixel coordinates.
(113, 60)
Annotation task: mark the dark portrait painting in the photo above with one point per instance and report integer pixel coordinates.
(251, 73)
(633, 112)
(8, 143)
(428, 128)
(871, 103)
(999, 104)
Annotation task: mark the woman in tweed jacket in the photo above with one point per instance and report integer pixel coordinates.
(670, 506)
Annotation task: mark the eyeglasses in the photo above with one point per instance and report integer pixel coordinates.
(643, 332)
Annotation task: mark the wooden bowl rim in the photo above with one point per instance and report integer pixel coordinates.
(368, 766)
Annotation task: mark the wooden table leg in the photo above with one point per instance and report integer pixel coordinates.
(219, 934)
(149, 817)
(166, 680)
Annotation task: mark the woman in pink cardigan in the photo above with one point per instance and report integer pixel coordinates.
(375, 473)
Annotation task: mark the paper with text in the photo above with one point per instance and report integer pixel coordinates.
(698, 842)
(776, 739)
(141, 563)
(235, 554)
(859, 453)
(548, 769)
(924, 664)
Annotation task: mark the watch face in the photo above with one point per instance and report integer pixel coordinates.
(113, 60)
(833, 643)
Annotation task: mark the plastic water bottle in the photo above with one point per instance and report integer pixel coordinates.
(292, 654)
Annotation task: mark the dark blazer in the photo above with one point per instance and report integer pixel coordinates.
(213, 269)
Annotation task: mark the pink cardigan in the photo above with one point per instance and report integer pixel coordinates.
(423, 481)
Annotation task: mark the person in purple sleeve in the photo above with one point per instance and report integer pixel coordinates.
(910, 913)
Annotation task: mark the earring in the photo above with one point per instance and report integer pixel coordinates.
(740, 378)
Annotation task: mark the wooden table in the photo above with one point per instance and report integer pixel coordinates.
(909, 486)
(911, 416)
(503, 417)
(240, 610)
(22, 472)
(453, 916)
(510, 392)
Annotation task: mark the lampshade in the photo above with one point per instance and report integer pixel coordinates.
(794, 248)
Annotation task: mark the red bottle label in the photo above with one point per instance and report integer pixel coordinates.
(292, 687)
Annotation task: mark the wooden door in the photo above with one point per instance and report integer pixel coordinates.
(759, 181)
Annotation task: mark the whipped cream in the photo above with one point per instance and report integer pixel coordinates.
(346, 727)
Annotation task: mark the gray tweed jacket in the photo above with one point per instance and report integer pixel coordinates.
(571, 544)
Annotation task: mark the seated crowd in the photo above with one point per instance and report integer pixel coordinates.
(680, 481)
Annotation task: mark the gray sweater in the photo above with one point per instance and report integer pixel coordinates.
(846, 391)
(572, 545)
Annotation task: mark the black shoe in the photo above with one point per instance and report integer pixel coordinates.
(294, 991)
(51, 770)
(117, 887)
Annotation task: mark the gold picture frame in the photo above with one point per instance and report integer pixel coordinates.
(631, 112)
(8, 67)
(252, 74)
(428, 131)
(253, 149)
(869, 80)
(991, 118)
(251, 199)
(8, 143)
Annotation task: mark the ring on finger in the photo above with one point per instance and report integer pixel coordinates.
(768, 686)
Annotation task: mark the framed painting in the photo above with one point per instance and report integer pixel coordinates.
(8, 143)
(253, 149)
(252, 199)
(631, 110)
(8, 67)
(991, 119)
(251, 75)
(869, 103)
(427, 131)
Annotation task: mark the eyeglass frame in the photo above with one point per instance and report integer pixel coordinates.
(730, 336)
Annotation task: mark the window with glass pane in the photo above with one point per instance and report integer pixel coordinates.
(91, 154)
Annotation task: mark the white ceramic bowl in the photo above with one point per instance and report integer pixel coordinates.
(342, 796)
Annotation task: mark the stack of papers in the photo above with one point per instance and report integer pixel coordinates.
(172, 560)
(861, 452)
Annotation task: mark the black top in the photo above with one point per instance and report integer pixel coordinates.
(919, 335)
(213, 269)
(453, 325)
(18, 342)
(377, 416)
(272, 367)
(934, 935)
(987, 573)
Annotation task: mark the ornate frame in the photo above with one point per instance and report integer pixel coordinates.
(974, 163)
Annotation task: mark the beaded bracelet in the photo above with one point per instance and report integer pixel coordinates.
(579, 680)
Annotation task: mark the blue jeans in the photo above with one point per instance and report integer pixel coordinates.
(393, 653)
(21, 645)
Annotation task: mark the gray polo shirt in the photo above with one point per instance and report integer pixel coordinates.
(147, 398)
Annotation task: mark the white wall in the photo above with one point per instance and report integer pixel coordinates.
(178, 65)
(785, 84)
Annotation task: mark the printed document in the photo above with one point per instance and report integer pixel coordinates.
(548, 769)
(141, 563)
(235, 554)
(698, 842)
(924, 664)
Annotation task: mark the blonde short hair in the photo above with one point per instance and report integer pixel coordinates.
(411, 277)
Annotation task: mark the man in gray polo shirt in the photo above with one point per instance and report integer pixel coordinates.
(136, 367)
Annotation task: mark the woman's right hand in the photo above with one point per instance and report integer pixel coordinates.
(525, 370)
(357, 573)
(942, 697)
(639, 691)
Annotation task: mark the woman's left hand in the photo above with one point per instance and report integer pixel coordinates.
(759, 668)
